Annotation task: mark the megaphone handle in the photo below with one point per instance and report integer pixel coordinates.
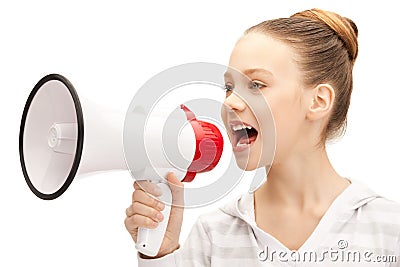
(149, 240)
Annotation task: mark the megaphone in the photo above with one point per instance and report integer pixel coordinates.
(63, 137)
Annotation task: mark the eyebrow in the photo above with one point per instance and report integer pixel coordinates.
(248, 72)
(258, 70)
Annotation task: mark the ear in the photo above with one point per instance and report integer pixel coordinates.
(321, 102)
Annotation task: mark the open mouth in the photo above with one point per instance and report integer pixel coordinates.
(244, 135)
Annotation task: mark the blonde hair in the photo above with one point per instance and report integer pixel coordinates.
(327, 47)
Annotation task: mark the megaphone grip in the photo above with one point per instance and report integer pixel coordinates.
(149, 240)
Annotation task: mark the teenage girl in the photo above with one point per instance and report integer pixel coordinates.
(305, 210)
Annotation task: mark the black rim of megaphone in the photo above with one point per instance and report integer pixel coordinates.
(79, 145)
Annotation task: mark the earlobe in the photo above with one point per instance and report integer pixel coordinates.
(321, 102)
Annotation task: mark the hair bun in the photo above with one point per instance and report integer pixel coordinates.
(345, 28)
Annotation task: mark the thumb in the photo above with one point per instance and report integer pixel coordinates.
(177, 188)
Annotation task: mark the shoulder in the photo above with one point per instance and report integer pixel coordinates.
(372, 207)
(221, 237)
(383, 209)
(376, 222)
(227, 232)
(225, 220)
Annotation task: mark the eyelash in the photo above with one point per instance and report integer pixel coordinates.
(252, 85)
(228, 88)
(257, 84)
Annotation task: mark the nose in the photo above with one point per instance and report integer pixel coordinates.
(235, 102)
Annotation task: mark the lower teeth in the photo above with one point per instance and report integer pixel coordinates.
(242, 144)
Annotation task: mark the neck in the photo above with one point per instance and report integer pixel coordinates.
(301, 181)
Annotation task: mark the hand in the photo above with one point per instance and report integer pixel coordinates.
(145, 212)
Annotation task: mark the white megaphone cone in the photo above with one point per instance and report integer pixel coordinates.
(63, 137)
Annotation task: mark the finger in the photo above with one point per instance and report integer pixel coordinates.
(129, 211)
(141, 209)
(148, 187)
(146, 199)
(177, 188)
(137, 220)
(171, 177)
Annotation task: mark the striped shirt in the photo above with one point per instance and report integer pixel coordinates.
(360, 228)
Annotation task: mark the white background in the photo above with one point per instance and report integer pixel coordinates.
(108, 50)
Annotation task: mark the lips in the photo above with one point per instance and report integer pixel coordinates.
(244, 135)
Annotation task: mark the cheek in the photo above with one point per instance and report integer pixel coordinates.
(225, 121)
(224, 116)
(287, 113)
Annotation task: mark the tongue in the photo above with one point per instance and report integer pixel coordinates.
(245, 140)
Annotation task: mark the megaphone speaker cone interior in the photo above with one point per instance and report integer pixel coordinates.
(51, 137)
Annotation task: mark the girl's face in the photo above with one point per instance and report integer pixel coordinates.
(273, 98)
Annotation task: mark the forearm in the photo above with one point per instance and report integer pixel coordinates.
(159, 255)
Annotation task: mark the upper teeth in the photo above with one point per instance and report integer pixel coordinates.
(240, 127)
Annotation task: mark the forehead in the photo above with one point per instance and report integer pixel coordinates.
(260, 51)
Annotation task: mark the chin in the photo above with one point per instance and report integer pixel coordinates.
(246, 165)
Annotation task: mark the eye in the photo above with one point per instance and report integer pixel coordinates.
(256, 85)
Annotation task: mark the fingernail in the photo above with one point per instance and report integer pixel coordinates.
(160, 217)
(160, 205)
